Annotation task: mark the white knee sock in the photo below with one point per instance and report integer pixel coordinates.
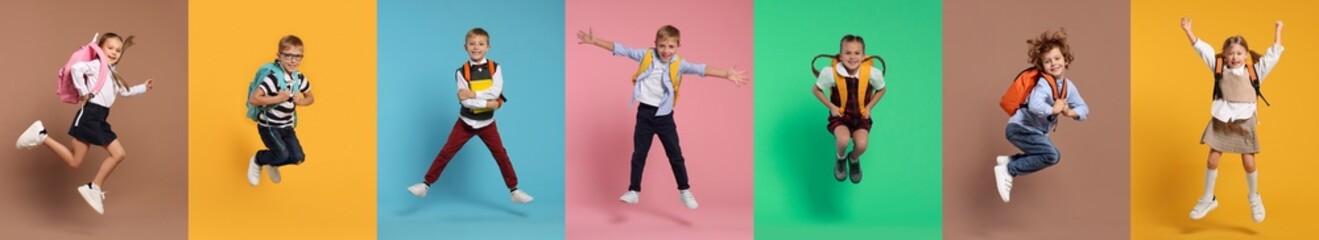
(1211, 176)
(1251, 180)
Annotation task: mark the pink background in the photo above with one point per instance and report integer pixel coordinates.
(714, 119)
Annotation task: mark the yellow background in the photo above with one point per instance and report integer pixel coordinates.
(1171, 93)
(332, 194)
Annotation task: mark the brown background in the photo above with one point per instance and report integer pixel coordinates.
(1085, 196)
(147, 194)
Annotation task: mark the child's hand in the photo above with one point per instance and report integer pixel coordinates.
(587, 37)
(493, 104)
(736, 77)
(1279, 25)
(284, 94)
(464, 94)
(297, 98)
(1059, 105)
(833, 111)
(150, 84)
(1186, 24)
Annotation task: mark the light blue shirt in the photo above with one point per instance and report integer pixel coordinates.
(667, 92)
(1038, 115)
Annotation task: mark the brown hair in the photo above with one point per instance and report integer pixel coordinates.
(668, 31)
(851, 38)
(1238, 40)
(127, 42)
(1048, 41)
(289, 41)
(479, 32)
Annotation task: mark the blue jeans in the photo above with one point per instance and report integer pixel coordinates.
(282, 147)
(1037, 151)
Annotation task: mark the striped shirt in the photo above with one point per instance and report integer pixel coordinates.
(281, 115)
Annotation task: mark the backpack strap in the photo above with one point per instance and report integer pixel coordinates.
(105, 73)
(675, 76)
(646, 61)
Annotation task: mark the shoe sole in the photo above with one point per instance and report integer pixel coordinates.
(421, 195)
(627, 202)
(1212, 206)
(86, 196)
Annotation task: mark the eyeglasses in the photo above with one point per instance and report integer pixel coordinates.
(291, 56)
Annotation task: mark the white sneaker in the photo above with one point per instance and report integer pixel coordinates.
(273, 173)
(419, 189)
(33, 136)
(94, 197)
(688, 199)
(1004, 181)
(631, 197)
(1002, 160)
(253, 172)
(1256, 207)
(521, 197)
(1203, 207)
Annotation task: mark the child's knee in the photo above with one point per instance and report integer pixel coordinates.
(1053, 157)
(119, 156)
(859, 147)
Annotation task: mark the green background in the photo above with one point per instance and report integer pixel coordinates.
(796, 194)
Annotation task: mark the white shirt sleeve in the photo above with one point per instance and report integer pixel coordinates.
(1266, 62)
(131, 91)
(826, 79)
(877, 79)
(1206, 53)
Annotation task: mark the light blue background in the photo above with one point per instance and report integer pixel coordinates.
(420, 47)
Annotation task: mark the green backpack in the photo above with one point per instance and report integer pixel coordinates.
(253, 111)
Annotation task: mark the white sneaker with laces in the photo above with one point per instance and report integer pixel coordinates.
(419, 189)
(1003, 180)
(253, 172)
(1203, 207)
(94, 197)
(1256, 207)
(631, 197)
(521, 197)
(273, 172)
(32, 137)
(688, 199)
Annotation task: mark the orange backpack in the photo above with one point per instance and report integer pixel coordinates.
(863, 89)
(1015, 98)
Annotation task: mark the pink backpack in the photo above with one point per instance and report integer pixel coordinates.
(86, 53)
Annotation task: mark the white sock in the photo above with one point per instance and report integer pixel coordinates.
(683, 191)
(96, 187)
(1251, 180)
(840, 156)
(1211, 176)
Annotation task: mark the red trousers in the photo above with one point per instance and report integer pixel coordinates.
(459, 136)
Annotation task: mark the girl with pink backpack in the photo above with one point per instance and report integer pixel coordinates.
(90, 74)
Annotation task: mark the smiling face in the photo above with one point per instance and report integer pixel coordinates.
(113, 49)
(667, 47)
(290, 58)
(852, 54)
(477, 46)
(1235, 55)
(1053, 62)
